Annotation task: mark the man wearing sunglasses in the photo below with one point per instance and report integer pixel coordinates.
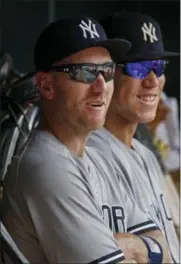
(139, 83)
(58, 195)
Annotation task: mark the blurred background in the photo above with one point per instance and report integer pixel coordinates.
(23, 20)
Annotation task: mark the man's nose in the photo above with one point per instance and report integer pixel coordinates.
(151, 80)
(99, 86)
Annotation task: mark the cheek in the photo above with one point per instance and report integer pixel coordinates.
(110, 89)
(128, 91)
(162, 83)
(75, 95)
(61, 95)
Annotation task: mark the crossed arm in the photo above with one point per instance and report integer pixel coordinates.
(134, 248)
(68, 224)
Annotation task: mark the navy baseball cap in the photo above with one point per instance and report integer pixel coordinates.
(69, 35)
(142, 31)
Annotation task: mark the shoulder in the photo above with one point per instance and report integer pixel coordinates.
(147, 154)
(113, 149)
(95, 153)
(141, 147)
(101, 161)
(45, 151)
(99, 138)
(42, 163)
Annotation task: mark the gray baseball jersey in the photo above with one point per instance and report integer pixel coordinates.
(142, 179)
(63, 209)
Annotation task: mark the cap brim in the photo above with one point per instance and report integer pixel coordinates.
(151, 55)
(171, 54)
(118, 48)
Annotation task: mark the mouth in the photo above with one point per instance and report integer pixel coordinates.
(96, 105)
(147, 99)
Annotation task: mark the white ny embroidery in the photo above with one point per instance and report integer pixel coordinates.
(149, 32)
(89, 28)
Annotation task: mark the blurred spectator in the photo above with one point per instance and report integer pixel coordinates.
(168, 131)
(165, 130)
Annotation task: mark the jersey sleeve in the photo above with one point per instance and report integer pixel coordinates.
(66, 217)
(138, 220)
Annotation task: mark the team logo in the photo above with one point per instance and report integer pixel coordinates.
(149, 32)
(89, 28)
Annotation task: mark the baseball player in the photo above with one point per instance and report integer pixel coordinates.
(139, 82)
(62, 202)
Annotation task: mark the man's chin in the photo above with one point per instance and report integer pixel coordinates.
(145, 117)
(146, 120)
(96, 124)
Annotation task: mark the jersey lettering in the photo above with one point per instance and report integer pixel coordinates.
(114, 216)
(107, 215)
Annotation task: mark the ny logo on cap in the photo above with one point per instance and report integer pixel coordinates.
(149, 32)
(89, 28)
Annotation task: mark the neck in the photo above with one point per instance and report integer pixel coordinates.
(73, 140)
(121, 128)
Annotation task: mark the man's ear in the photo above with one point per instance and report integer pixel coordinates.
(43, 82)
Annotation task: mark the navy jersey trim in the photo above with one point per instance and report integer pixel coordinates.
(141, 232)
(146, 226)
(114, 257)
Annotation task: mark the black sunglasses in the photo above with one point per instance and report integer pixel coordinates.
(86, 72)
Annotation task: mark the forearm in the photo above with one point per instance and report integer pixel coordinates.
(128, 261)
(134, 248)
(157, 235)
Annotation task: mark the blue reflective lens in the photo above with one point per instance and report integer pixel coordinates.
(141, 69)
